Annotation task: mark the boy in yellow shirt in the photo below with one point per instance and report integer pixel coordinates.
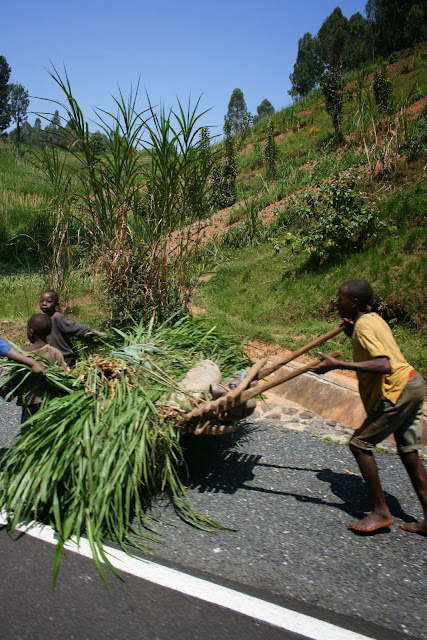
(392, 394)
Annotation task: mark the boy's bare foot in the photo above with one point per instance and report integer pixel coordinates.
(372, 522)
(415, 527)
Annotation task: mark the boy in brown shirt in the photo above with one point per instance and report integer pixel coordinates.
(63, 327)
(39, 327)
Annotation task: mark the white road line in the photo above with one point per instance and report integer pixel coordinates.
(204, 590)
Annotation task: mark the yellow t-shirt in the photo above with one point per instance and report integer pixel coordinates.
(372, 338)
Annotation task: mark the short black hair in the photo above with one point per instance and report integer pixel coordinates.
(361, 290)
(52, 294)
(41, 324)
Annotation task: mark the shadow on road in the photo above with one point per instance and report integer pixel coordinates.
(214, 468)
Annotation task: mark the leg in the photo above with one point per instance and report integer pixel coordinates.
(380, 515)
(418, 476)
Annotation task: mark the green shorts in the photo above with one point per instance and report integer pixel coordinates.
(403, 420)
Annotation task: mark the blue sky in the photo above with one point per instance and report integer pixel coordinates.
(175, 48)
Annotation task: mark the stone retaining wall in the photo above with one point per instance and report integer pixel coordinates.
(332, 395)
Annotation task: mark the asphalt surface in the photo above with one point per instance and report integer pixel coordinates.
(290, 496)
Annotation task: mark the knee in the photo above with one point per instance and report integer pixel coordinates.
(358, 451)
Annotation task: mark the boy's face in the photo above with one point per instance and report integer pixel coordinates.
(48, 303)
(346, 305)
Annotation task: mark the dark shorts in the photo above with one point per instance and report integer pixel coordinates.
(403, 420)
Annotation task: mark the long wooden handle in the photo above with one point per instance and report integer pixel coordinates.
(279, 379)
(224, 403)
(266, 371)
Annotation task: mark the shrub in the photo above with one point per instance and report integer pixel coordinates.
(382, 89)
(334, 220)
(270, 152)
(101, 195)
(416, 137)
(224, 175)
(250, 231)
(332, 89)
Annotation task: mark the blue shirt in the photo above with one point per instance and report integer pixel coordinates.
(4, 347)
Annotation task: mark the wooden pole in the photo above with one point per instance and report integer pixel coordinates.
(228, 401)
(266, 371)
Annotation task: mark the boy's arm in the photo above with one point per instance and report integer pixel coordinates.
(77, 329)
(37, 367)
(379, 365)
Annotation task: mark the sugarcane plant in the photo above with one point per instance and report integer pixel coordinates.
(150, 178)
(104, 445)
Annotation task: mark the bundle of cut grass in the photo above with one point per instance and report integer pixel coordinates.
(95, 458)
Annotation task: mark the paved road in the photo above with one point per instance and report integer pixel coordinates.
(289, 496)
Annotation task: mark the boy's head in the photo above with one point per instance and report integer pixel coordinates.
(38, 327)
(49, 300)
(354, 296)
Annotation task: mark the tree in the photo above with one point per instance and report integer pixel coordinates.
(270, 152)
(19, 102)
(37, 136)
(396, 23)
(264, 110)
(416, 27)
(224, 174)
(4, 94)
(307, 68)
(237, 111)
(332, 36)
(357, 42)
(382, 89)
(53, 133)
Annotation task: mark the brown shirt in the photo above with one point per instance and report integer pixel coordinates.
(35, 385)
(62, 329)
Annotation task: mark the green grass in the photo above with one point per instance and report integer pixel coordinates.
(23, 199)
(19, 299)
(278, 297)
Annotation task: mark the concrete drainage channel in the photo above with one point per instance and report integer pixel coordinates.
(327, 406)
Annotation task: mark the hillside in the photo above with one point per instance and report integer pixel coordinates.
(328, 210)
(263, 285)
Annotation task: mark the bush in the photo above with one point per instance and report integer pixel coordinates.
(382, 89)
(333, 220)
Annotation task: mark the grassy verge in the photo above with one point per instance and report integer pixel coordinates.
(276, 297)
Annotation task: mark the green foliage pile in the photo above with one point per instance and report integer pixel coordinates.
(96, 457)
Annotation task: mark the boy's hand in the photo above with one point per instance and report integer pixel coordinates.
(348, 326)
(17, 356)
(327, 364)
(94, 332)
(38, 368)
